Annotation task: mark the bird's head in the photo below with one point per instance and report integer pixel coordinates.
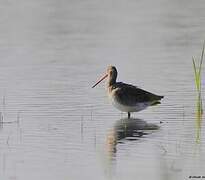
(111, 73)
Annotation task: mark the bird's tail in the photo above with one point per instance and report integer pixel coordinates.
(155, 103)
(160, 97)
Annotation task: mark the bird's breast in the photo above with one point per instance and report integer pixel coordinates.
(124, 107)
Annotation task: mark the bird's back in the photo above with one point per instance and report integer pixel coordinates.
(130, 95)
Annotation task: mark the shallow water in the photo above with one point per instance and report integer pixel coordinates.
(56, 127)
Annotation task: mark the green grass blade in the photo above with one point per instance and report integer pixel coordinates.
(199, 105)
(194, 65)
(202, 57)
(196, 74)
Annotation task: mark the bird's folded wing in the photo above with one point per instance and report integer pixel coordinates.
(131, 95)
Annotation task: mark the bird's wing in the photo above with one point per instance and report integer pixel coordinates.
(131, 95)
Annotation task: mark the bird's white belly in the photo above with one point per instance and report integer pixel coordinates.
(126, 108)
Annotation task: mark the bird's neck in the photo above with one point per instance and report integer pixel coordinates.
(111, 82)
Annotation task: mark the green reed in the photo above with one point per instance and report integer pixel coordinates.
(199, 104)
(197, 70)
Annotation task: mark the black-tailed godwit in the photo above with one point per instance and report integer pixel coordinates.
(126, 97)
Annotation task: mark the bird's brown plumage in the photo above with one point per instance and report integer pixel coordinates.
(127, 94)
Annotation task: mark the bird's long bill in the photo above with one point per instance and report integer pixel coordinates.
(101, 79)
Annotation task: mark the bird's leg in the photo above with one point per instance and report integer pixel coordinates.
(128, 115)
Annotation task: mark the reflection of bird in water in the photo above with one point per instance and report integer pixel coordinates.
(128, 129)
(123, 131)
(126, 97)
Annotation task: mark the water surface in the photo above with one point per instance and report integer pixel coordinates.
(56, 127)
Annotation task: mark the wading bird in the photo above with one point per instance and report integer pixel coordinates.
(126, 97)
